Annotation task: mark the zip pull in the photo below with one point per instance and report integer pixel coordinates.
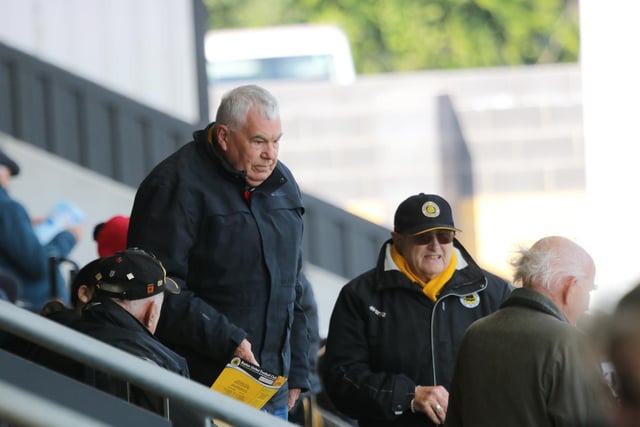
(444, 308)
(247, 193)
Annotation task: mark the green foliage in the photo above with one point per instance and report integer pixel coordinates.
(407, 35)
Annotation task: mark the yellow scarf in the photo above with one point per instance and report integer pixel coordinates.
(432, 287)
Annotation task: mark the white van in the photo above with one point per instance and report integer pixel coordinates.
(290, 52)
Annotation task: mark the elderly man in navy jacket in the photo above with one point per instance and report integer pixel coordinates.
(225, 217)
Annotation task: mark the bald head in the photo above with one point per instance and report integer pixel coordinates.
(560, 269)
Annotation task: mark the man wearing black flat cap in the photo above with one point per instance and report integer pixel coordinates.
(21, 254)
(395, 330)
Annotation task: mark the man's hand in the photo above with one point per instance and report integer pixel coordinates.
(433, 401)
(244, 352)
(294, 394)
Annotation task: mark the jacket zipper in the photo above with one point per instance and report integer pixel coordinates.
(433, 313)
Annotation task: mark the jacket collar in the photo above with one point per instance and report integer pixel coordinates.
(525, 297)
(106, 309)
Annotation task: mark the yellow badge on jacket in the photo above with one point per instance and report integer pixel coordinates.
(471, 300)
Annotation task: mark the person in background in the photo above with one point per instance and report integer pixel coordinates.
(527, 364)
(624, 353)
(83, 286)
(82, 290)
(225, 217)
(21, 253)
(395, 330)
(111, 236)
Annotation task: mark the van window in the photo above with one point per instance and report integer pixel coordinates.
(296, 52)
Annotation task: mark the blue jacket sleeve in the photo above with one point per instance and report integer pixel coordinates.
(23, 252)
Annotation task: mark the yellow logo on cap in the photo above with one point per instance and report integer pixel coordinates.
(430, 210)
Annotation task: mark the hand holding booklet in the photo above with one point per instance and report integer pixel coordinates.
(63, 215)
(247, 383)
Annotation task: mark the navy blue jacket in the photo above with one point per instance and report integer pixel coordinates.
(238, 263)
(386, 337)
(22, 255)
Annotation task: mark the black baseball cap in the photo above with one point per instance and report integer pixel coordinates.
(133, 274)
(422, 213)
(9, 163)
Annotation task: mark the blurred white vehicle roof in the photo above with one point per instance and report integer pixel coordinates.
(297, 52)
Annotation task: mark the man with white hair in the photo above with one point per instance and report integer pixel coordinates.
(225, 216)
(527, 364)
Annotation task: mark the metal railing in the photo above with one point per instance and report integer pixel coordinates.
(22, 407)
(25, 408)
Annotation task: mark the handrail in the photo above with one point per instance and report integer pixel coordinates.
(25, 408)
(111, 360)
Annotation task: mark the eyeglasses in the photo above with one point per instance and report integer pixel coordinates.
(443, 236)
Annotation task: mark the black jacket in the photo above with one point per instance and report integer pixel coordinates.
(386, 337)
(238, 263)
(108, 322)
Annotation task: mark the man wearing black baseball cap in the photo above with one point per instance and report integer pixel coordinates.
(395, 330)
(124, 312)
